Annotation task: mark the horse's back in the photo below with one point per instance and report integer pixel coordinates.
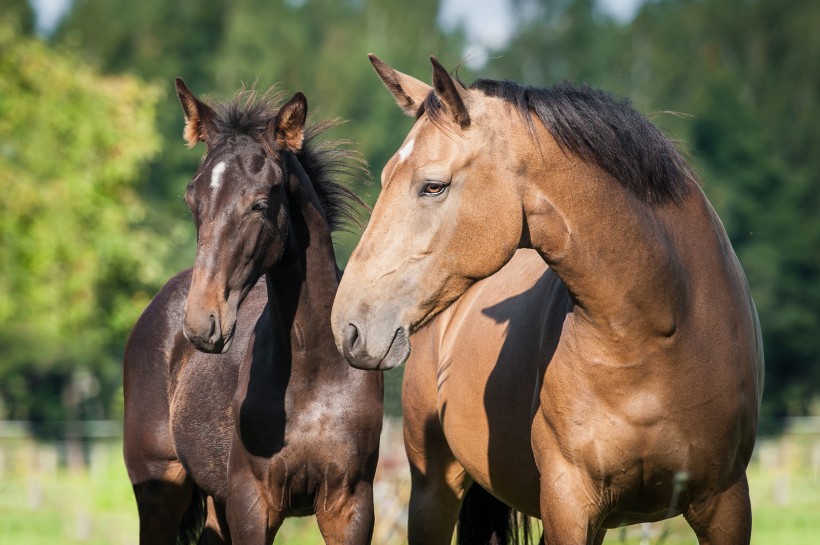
(482, 359)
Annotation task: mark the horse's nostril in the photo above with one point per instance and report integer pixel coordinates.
(212, 330)
(351, 337)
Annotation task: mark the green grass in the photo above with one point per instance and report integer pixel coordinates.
(42, 502)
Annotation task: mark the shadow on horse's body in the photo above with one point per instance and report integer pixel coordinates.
(623, 384)
(280, 425)
(468, 394)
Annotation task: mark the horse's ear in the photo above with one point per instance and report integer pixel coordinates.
(407, 90)
(198, 116)
(451, 93)
(287, 130)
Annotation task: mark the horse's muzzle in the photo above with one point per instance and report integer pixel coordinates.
(354, 348)
(207, 335)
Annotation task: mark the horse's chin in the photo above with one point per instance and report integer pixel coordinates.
(227, 344)
(219, 346)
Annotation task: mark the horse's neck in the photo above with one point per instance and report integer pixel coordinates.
(301, 289)
(613, 252)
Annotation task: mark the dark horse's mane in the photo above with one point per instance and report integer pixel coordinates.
(330, 164)
(600, 129)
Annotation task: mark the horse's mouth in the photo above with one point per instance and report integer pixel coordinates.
(226, 345)
(219, 346)
(396, 354)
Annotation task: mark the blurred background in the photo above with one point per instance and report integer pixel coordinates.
(93, 168)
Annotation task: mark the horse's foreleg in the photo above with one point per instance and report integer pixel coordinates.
(437, 481)
(161, 505)
(724, 518)
(433, 511)
(570, 511)
(346, 518)
(251, 517)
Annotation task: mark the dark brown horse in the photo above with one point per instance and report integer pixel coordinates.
(280, 425)
(620, 385)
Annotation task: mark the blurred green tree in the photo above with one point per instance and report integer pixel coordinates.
(20, 12)
(76, 263)
(157, 41)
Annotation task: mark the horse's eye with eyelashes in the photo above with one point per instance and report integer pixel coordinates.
(260, 206)
(433, 189)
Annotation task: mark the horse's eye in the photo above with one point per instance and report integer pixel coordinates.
(433, 189)
(260, 205)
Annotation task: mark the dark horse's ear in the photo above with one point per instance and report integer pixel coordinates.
(451, 93)
(287, 130)
(407, 90)
(198, 116)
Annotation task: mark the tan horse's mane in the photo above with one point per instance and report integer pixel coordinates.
(331, 165)
(600, 129)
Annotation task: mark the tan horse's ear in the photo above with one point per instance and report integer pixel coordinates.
(287, 130)
(451, 93)
(407, 90)
(198, 116)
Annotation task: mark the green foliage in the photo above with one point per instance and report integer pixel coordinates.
(20, 12)
(157, 41)
(74, 262)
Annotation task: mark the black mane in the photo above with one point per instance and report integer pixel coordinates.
(600, 129)
(330, 164)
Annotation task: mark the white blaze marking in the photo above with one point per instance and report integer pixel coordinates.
(405, 151)
(216, 175)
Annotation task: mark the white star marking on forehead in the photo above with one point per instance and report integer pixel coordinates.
(216, 175)
(406, 150)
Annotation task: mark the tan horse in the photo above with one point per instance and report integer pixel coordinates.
(631, 371)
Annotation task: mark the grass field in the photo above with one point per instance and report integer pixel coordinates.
(44, 502)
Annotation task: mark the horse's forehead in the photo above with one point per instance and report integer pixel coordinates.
(216, 175)
(229, 163)
(429, 141)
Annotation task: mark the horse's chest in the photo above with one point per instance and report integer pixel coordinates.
(201, 420)
(303, 476)
(306, 441)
